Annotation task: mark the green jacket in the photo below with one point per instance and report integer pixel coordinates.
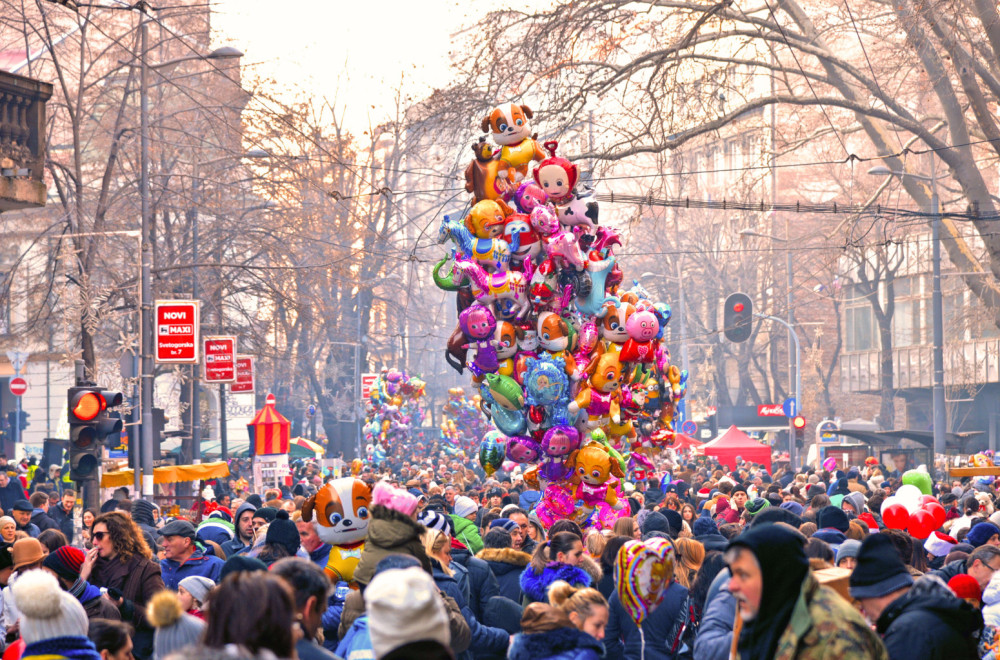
(824, 626)
(390, 532)
(467, 532)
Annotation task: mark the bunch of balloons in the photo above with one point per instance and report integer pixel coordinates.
(912, 507)
(393, 409)
(462, 424)
(570, 362)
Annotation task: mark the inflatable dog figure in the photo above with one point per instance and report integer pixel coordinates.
(341, 508)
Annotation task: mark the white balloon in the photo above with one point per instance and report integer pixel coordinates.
(888, 502)
(909, 496)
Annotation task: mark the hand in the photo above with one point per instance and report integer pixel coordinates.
(88, 564)
(118, 603)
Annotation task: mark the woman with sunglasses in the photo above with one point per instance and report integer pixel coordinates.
(121, 562)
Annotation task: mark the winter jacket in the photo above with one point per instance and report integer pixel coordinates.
(715, 635)
(528, 499)
(42, 520)
(389, 532)
(138, 579)
(11, 493)
(467, 532)
(357, 643)
(482, 583)
(485, 640)
(723, 511)
(93, 603)
(31, 529)
(307, 649)
(506, 565)
(606, 585)
(949, 571)
(713, 542)
(198, 563)
(230, 548)
(64, 520)
(930, 623)
(560, 644)
(536, 586)
(621, 636)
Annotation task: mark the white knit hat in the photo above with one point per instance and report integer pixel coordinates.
(404, 607)
(464, 506)
(46, 610)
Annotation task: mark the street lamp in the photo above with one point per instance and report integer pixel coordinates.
(937, 306)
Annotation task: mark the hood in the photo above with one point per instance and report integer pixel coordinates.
(857, 501)
(505, 560)
(391, 529)
(142, 513)
(830, 535)
(553, 643)
(929, 594)
(246, 506)
(460, 553)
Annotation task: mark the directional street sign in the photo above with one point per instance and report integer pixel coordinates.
(17, 359)
(790, 407)
(177, 331)
(18, 386)
(220, 359)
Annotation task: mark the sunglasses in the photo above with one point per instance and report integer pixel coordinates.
(99, 536)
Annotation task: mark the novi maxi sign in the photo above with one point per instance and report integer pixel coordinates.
(176, 336)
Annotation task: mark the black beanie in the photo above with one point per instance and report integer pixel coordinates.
(879, 571)
(255, 500)
(655, 522)
(267, 513)
(831, 516)
(282, 531)
(241, 563)
(675, 520)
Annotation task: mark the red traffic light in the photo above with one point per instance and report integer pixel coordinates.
(738, 307)
(88, 405)
(799, 422)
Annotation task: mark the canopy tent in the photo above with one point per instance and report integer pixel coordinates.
(270, 431)
(733, 443)
(168, 474)
(682, 442)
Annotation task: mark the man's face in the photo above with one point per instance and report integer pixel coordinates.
(257, 523)
(245, 523)
(522, 527)
(4, 479)
(983, 572)
(516, 538)
(899, 460)
(22, 517)
(307, 535)
(495, 501)
(176, 547)
(68, 501)
(739, 499)
(746, 584)
(450, 495)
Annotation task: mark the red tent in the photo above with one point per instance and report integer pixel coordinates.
(682, 442)
(735, 442)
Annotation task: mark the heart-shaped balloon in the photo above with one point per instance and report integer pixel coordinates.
(642, 572)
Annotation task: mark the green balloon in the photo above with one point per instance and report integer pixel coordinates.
(836, 500)
(918, 478)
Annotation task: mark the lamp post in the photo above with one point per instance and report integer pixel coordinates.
(937, 305)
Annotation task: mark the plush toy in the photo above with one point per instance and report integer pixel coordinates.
(341, 509)
(510, 127)
(593, 469)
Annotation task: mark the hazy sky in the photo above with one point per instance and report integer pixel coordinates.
(354, 50)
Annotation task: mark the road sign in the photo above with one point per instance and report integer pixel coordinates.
(367, 381)
(790, 407)
(18, 386)
(311, 410)
(827, 431)
(220, 359)
(689, 427)
(244, 375)
(177, 329)
(17, 360)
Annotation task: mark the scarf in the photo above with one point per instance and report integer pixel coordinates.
(72, 647)
(84, 591)
(783, 566)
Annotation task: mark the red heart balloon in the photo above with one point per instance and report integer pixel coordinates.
(937, 511)
(536, 414)
(921, 524)
(896, 516)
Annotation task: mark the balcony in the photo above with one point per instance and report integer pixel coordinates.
(22, 141)
(973, 362)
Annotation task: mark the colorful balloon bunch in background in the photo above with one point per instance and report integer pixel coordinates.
(462, 424)
(392, 412)
(569, 361)
(913, 508)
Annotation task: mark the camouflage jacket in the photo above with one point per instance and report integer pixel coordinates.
(825, 626)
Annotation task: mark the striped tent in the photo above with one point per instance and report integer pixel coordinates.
(269, 431)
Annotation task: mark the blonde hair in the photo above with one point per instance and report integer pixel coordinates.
(690, 555)
(595, 542)
(435, 541)
(571, 599)
(625, 526)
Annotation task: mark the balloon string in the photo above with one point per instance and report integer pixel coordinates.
(642, 644)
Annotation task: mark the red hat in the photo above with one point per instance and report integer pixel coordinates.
(966, 586)
(869, 520)
(939, 544)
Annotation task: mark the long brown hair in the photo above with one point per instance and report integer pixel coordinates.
(266, 625)
(690, 555)
(126, 537)
(548, 551)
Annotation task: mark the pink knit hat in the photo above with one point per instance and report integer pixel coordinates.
(396, 499)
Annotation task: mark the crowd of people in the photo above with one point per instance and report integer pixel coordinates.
(455, 564)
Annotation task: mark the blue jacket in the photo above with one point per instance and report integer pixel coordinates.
(536, 585)
(482, 583)
(559, 644)
(621, 636)
(715, 635)
(485, 640)
(10, 494)
(199, 563)
(357, 643)
(321, 555)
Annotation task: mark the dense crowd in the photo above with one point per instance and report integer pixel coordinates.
(455, 564)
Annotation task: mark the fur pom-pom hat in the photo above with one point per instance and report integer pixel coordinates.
(175, 628)
(396, 499)
(46, 610)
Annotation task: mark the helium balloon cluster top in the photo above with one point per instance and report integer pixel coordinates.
(570, 364)
(392, 410)
(462, 424)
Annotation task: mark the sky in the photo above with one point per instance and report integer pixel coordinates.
(351, 50)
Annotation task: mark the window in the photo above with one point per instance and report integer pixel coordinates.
(906, 318)
(859, 322)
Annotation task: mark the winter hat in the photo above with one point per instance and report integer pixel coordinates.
(757, 505)
(143, 512)
(464, 506)
(265, 513)
(655, 522)
(956, 555)
(674, 520)
(175, 629)
(703, 526)
(198, 586)
(255, 500)
(857, 502)
(239, 563)
(831, 516)
(26, 551)
(435, 520)
(46, 610)
(283, 531)
(6, 555)
(879, 570)
(792, 506)
(396, 499)
(504, 523)
(65, 562)
(939, 544)
(404, 607)
(848, 548)
(814, 490)
(981, 533)
(966, 586)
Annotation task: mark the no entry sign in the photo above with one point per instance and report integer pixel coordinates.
(177, 331)
(220, 359)
(244, 375)
(18, 386)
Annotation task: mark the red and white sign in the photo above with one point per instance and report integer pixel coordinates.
(220, 359)
(177, 329)
(244, 375)
(770, 410)
(367, 382)
(18, 386)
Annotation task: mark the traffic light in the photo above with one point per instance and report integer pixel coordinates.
(799, 425)
(737, 317)
(90, 423)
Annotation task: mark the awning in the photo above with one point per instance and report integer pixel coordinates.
(168, 474)
(307, 444)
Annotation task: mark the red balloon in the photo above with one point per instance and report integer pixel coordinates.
(937, 511)
(921, 524)
(896, 516)
(925, 499)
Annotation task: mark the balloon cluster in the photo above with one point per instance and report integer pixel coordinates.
(392, 410)
(462, 424)
(912, 507)
(570, 364)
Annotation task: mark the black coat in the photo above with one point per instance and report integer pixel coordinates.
(64, 519)
(506, 565)
(482, 584)
(930, 623)
(713, 542)
(42, 521)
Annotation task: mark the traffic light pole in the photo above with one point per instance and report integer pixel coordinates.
(798, 383)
